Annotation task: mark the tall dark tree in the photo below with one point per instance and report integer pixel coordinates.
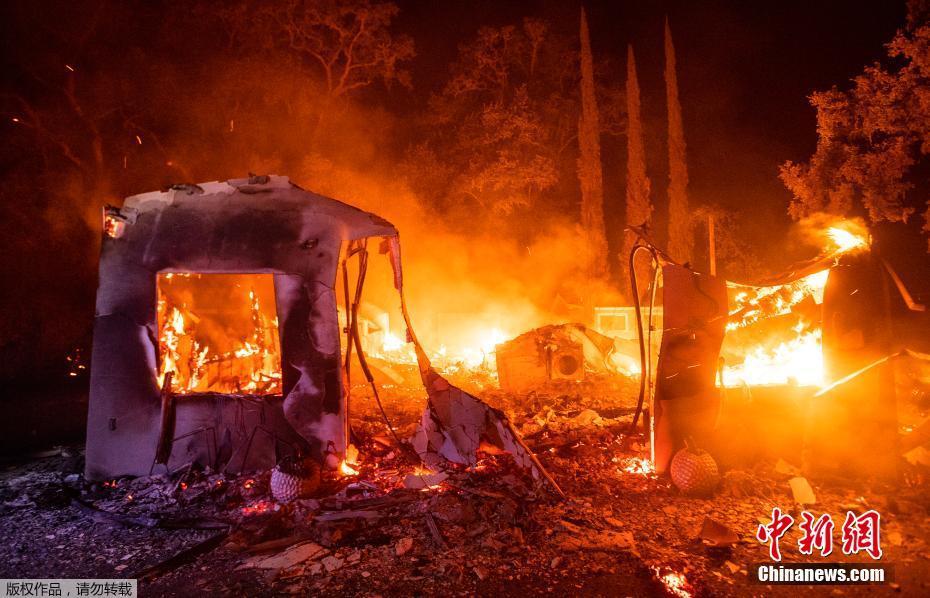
(680, 224)
(590, 173)
(638, 186)
(501, 135)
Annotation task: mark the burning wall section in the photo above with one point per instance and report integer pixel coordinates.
(774, 339)
(258, 225)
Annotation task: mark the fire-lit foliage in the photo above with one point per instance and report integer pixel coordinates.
(115, 100)
(473, 153)
(871, 137)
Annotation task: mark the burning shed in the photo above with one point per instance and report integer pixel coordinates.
(258, 259)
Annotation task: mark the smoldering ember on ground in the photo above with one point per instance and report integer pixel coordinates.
(363, 298)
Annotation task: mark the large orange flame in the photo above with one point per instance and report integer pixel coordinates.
(215, 337)
(776, 359)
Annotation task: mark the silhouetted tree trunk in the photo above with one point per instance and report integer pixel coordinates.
(590, 174)
(679, 219)
(638, 205)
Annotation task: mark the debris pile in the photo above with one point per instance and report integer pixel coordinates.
(483, 526)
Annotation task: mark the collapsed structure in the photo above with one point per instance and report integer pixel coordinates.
(555, 352)
(256, 225)
(822, 339)
(252, 403)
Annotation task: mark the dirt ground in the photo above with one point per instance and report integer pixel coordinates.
(489, 530)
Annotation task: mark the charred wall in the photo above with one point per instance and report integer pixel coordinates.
(259, 225)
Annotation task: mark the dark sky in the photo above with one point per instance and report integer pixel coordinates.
(745, 71)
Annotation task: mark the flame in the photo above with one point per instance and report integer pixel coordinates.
(491, 338)
(638, 466)
(347, 470)
(775, 359)
(753, 304)
(799, 360)
(392, 342)
(845, 240)
(473, 349)
(676, 583)
(247, 360)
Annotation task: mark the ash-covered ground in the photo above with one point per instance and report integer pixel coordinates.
(490, 530)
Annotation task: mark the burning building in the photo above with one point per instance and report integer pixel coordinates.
(216, 337)
(781, 360)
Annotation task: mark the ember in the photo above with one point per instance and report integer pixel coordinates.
(259, 508)
(469, 349)
(380, 298)
(347, 470)
(638, 466)
(676, 583)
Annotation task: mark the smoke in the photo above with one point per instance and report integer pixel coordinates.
(463, 278)
(220, 117)
(813, 230)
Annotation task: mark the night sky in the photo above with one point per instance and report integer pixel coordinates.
(745, 70)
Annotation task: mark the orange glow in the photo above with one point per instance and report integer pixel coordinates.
(347, 470)
(638, 466)
(219, 333)
(846, 240)
(799, 361)
(470, 349)
(113, 226)
(262, 506)
(676, 583)
(426, 475)
(791, 351)
(392, 343)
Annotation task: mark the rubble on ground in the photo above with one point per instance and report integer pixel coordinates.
(399, 528)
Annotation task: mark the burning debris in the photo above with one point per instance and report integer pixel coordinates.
(774, 329)
(546, 466)
(219, 337)
(261, 423)
(456, 424)
(793, 344)
(219, 333)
